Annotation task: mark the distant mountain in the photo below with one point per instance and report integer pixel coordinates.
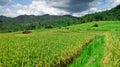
(24, 22)
(33, 18)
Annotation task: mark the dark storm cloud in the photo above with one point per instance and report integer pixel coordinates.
(72, 6)
(75, 6)
(4, 2)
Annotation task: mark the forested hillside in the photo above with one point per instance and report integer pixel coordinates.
(30, 22)
(108, 15)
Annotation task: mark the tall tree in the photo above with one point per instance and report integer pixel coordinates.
(1, 24)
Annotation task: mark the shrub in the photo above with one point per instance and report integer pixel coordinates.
(67, 28)
(26, 32)
(9, 31)
(48, 26)
(95, 25)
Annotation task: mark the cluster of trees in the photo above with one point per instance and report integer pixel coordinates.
(31, 22)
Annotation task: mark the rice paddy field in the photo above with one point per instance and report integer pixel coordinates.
(81, 45)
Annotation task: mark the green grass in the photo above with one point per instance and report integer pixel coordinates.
(91, 54)
(102, 26)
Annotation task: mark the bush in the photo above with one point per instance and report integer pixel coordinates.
(9, 31)
(67, 28)
(95, 25)
(26, 32)
(48, 26)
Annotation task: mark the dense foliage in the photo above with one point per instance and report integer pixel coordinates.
(109, 15)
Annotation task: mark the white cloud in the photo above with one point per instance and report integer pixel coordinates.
(56, 3)
(115, 2)
(36, 8)
(42, 6)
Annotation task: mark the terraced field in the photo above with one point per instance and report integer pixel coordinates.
(102, 26)
(74, 47)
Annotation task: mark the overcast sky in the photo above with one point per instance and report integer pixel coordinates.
(13, 8)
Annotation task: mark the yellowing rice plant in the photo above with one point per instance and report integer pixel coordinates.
(112, 52)
(45, 49)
